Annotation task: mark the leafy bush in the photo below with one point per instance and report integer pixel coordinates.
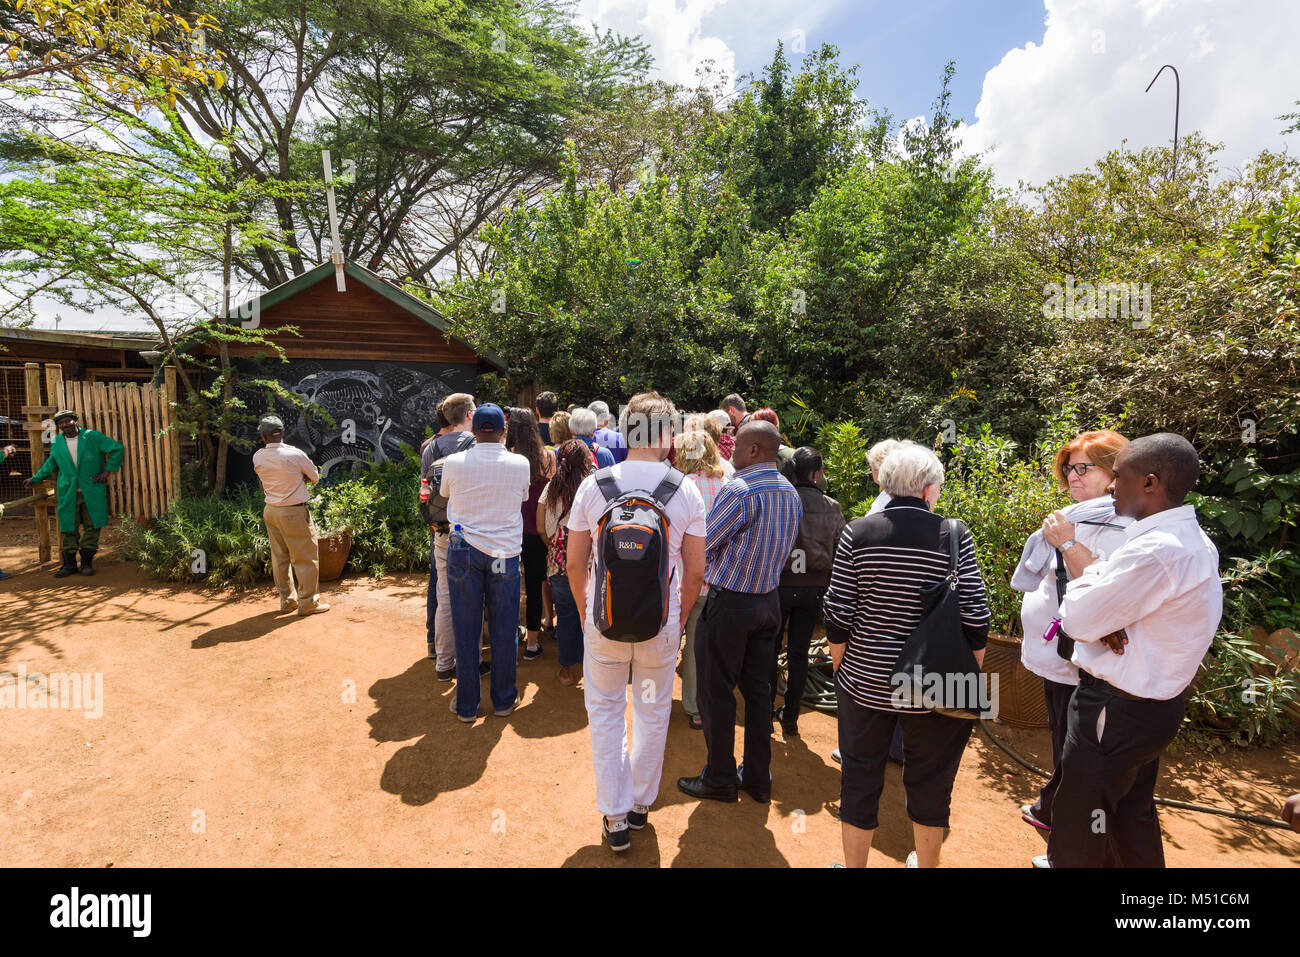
(379, 507)
(844, 457)
(1002, 499)
(1240, 695)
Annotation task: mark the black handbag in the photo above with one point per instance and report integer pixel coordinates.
(936, 669)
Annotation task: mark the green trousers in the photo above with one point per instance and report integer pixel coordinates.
(89, 539)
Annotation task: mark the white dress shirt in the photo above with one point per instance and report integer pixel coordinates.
(879, 503)
(1039, 605)
(1162, 587)
(285, 472)
(484, 486)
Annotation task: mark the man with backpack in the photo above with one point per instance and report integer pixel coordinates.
(642, 528)
(751, 529)
(455, 436)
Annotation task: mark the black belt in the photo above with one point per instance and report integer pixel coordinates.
(1108, 688)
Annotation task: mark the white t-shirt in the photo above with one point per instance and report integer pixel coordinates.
(72, 446)
(1039, 606)
(685, 513)
(484, 486)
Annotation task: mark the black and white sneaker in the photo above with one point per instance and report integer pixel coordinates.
(618, 835)
(531, 654)
(447, 675)
(637, 817)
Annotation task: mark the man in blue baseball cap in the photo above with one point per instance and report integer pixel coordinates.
(485, 486)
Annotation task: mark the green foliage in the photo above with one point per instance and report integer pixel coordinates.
(1241, 696)
(1003, 499)
(844, 457)
(379, 507)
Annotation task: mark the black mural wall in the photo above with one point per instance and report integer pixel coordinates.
(381, 406)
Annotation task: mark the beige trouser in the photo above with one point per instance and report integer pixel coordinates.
(294, 545)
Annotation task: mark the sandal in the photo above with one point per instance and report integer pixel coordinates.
(695, 721)
(565, 676)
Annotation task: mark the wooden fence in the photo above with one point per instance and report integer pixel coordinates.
(136, 416)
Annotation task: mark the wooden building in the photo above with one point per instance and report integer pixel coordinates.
(376, 358)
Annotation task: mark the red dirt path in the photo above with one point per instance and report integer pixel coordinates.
(232, 735)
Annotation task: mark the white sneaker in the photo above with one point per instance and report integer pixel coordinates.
(1041, 861)
(911, 860)
(453, 710)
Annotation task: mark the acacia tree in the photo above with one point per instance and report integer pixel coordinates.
(438, 112)
(131, 217)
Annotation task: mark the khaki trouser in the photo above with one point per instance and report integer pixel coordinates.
(294, 544)
(444, 638)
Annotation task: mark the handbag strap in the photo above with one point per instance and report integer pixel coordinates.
(950, 525)
(1062, 579)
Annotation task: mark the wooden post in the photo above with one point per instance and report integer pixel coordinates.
(173, 437)
(35, 413)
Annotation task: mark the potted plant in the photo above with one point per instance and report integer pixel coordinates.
(342, 511)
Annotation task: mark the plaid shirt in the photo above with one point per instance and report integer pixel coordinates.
(752, 527)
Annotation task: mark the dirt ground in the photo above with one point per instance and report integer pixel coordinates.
(233, 735)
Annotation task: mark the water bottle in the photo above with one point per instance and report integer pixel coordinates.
(457, 538)
(424, 491)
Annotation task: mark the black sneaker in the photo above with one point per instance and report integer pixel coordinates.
(637, 817)
(484, 669)
(618, 835)
(531, 654)
(447, 675)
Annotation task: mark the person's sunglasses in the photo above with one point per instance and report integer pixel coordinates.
(1079, 468)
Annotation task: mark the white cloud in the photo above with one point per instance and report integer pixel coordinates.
(1055, 107)
(672, 28)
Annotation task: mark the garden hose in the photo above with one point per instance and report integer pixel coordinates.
(819, 693)
(1164, 802)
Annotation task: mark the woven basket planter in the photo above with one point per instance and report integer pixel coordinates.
(1020, 692)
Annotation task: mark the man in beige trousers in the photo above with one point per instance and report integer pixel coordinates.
(285, 472)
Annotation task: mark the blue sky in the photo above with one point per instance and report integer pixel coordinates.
(901, 47)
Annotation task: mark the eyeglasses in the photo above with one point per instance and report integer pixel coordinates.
(1078, 468)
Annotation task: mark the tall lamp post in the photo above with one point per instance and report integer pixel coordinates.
(1177, 97)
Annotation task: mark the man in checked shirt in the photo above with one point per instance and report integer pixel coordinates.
(751, 530)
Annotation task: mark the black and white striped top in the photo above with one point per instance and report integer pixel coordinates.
(874, 599)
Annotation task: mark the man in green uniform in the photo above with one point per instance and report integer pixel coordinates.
(83, 458)
(5, 452)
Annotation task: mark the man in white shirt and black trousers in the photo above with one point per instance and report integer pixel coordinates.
(1141, 620)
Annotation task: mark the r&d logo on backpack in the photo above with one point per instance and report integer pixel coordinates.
(632, 576)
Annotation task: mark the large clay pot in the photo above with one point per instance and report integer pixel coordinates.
(334, 555)
(1020, 691)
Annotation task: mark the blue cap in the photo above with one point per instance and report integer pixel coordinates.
(488, 417)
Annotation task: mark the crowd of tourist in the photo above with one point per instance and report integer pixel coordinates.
(656, 537)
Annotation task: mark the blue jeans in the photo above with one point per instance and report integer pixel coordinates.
(568, 621)
(431, 603)
(476, 578)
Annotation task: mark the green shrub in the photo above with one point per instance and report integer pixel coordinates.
(379, 507)
(1002, 499)
(844, 457)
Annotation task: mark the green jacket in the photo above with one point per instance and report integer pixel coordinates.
(96, 453)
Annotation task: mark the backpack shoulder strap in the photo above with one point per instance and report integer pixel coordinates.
(954, 545)
(668, 486)
(605, 482)
(1062, 577)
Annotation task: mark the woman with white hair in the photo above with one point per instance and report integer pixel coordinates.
(872, 605)
(726, 442)
(582, 423)
(876, 456)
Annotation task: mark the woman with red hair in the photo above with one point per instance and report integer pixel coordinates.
(1069, 541)
(784, 452)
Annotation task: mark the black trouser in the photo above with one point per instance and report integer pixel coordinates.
(933, 747)
(1104, 811)
(801, 609)
(533, 560)
(733, 646)
(1058, 698)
